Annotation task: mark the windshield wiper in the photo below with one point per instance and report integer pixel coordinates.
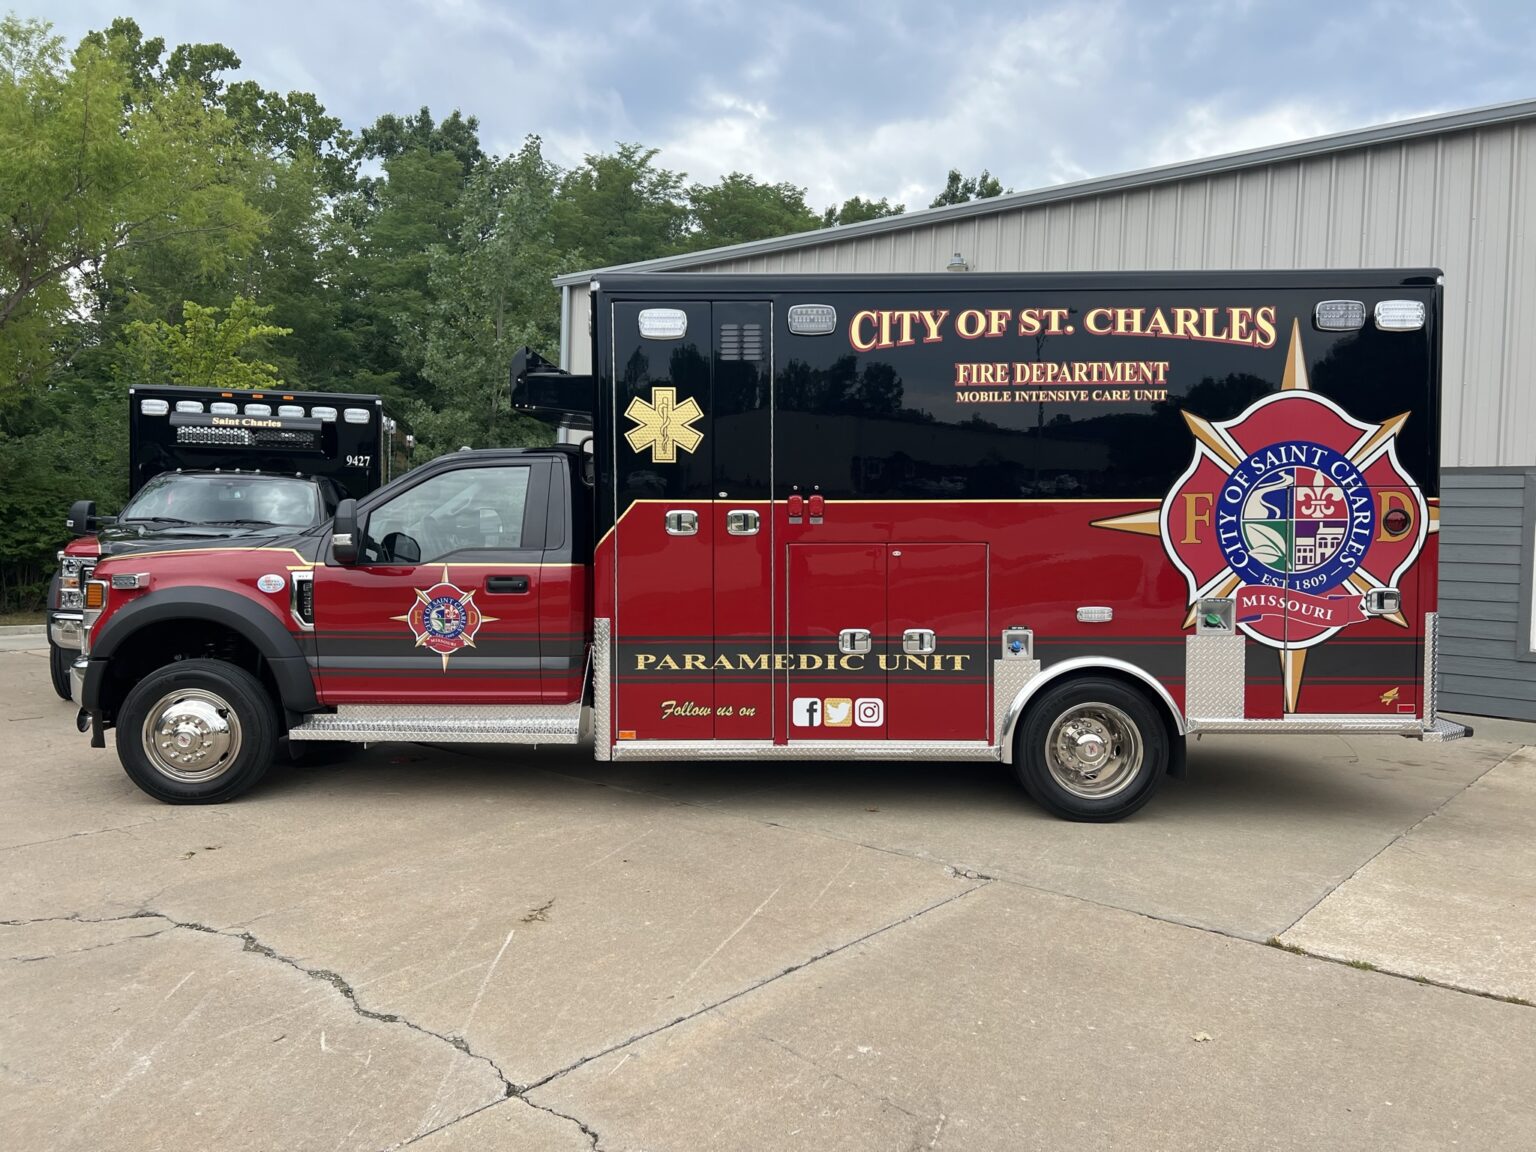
(156, 520)
(246, 523)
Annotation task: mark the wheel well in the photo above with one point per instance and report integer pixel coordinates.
(167, 641)
(1135, 683)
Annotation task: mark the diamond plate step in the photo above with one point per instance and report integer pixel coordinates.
(459, 724)
(1442, 730)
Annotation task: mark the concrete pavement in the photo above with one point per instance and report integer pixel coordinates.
(534, 950)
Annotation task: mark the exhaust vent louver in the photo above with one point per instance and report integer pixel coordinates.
(741, 341)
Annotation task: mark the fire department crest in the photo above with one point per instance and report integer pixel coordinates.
(444, 618)
(1296, 511)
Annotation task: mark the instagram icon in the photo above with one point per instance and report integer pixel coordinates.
(869, 712)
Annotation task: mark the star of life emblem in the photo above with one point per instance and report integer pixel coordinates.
(444, 618)
(1295, 510)
(663, 425)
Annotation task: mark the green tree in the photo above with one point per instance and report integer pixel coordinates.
(740, 208)
(490, 296)
(387, 230)
(203, 350)
(91, 168)
(857, 209)
(620, 207)
(959, 189)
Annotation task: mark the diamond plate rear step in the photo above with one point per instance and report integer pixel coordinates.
(458, 724)
(1442, 730)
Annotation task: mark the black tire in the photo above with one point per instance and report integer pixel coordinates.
(205, 694)
(59, 660)
(1105, 718)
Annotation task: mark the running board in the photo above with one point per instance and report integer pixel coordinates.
(459, 724)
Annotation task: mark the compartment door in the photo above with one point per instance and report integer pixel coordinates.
(936, 599)
(835, 685)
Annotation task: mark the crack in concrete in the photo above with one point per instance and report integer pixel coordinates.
(746, 991)
(339, 983)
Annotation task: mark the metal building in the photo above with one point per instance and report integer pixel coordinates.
(1455, 191)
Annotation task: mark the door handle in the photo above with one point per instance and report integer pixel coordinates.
(918, 641)
(501, 585)
(742, 522)
(682, 522)
(854, 641)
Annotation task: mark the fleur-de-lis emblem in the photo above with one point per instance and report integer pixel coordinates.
(663, 425)
(1320, 500)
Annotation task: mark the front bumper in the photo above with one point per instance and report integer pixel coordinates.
(77, 672)
(66, 630)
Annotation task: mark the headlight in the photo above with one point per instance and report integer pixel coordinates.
(71, 600)
(69, 571)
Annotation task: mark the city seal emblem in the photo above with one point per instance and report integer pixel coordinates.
(1296, 511)
(444, 618)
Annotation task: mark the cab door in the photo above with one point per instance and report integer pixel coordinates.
(443, 604)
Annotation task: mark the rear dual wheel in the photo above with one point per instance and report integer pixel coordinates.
(1092, 749)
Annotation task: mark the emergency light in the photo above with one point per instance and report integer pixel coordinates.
(189, 405)
(663, 323)
(323, 413)
(356, 415)
(287, 410)
(154, 407)
(224, 408)
(1400, 315)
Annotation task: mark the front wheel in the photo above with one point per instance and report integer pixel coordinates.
(1093, 749)
(59, 660)
(197, 732)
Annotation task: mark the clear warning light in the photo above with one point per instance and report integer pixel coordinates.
(1400, 315)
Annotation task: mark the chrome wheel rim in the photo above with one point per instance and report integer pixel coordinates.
(1094, 751)
(191, 736)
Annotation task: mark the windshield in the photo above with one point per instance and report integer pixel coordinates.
(177, 498)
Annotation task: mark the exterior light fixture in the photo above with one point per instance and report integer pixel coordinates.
(957, 264)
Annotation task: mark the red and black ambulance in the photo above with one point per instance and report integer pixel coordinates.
(1055, 521)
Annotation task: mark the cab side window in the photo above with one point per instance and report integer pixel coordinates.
(467, 509)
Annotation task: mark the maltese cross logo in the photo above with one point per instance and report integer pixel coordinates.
(444, 618)
(1296, 511)
(663, 425)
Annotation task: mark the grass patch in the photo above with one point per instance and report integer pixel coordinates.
(1363, 965)
(1276, 942)
(10, 619)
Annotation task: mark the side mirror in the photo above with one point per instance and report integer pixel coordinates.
(344, 532)
(82, 519)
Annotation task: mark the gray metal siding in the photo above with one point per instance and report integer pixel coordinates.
(1463, 201)
(1487, 541)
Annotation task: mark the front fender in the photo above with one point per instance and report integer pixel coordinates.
(277, 646)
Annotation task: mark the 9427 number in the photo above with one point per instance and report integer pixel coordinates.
(359, 461)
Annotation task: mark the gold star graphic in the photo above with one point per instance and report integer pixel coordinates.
(663, 425)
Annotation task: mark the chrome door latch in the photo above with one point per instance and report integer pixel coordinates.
(919, 641)
(854, 641)
(742, 522)
(682, 522)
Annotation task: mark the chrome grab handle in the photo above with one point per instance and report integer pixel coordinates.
(682, 522)
(742, 522)
(1383, 601)
(919, 641)
(854, 641)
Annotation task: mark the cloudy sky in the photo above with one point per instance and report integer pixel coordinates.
(879, 99)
